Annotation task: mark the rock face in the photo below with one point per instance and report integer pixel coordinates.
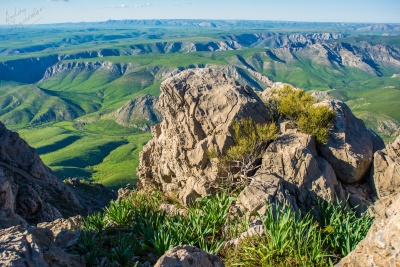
(30, 192)
(188, 256)
(350, 146)
(386, 169)
(198, 107)
(291, 170)
(40, 246)
(263, 188)
(381, 246)
(139, 112)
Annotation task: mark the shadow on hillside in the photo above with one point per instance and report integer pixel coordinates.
(58, 145)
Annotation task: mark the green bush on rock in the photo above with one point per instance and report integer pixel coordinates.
(298, 106)
(250, 140)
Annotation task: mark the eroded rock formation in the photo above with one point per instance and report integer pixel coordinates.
(381, 246)
(386, 170)
(198, 107)
(292, 167)
(44, 245)
(350, 146)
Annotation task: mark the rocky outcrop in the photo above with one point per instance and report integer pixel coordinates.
(114, 70)
(40, 246)
(381, 246)
(350, 145)
(140, 112)
(198, 107)
(386, 169)
(30, 192)
(291, 170)
(188, 256)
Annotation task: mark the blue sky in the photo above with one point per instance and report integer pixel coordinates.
(54, 11)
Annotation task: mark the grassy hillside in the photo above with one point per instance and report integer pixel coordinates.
(64, 116)
(102, 157)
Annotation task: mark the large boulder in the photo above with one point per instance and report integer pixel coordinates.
(350, 145)
(381, 246)
(263, 189)
(32, 246)
(198, 107)
(188, 256)
(386, 169)
(291, 170)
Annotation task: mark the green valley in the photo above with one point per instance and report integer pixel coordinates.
(65, 93)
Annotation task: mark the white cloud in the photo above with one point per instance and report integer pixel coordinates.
(142, 5)
(118, 6)
(125, 6)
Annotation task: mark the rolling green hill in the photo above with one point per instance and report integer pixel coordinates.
(59, 93)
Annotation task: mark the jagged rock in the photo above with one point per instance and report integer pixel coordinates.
(304, 175)
(386, 169)
(350, 145)
(139, 112)
(28, 186)
(198, 107)
(59, 225)
(21, 247)
(381, 246)
(188, 256)
(263, 189)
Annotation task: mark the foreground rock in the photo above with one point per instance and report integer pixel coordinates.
(350, 146)
(291, 170)
(188, 256)
(40, 246)
(381, 246)
(386, 171)
(198, 107)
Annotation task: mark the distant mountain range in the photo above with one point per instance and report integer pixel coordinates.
(237, 24)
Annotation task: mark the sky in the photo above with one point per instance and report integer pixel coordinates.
(59, 11)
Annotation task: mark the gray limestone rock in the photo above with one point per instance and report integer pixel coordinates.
(198, 107)
(381, 246)
(188, 256)
(350, 146)
(386, 169)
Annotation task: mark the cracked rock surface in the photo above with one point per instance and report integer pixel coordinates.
(198, 107)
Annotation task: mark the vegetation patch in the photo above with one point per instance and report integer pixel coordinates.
(242, 159)
(298, 106)
(134, 229)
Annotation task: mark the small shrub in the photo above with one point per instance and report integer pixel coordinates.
(94, 222)
(317, 120)
(292, 103)
(120, 212)
(250, 140)
(297, 106)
